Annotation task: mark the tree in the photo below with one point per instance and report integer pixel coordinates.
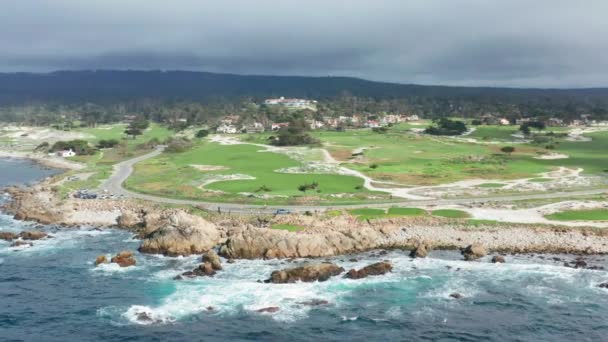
(202, 133)
(508, 149)
(296, 133)
(136, 127)
(445, 126)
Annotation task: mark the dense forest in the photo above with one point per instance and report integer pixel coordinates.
(175, 96)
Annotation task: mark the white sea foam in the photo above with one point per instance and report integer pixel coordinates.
(235, 289)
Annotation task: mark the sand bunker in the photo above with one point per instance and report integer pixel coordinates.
(551, 156)
(205, 168)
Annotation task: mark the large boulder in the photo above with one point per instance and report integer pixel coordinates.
(101, 259)
(498, 259)
(181, 234)
(308, 273)
(420, 251)
(212, 258)
(378, 268)
(32, 235)
(8, 236)
(124, 259)
(473, 252)
(603, 285)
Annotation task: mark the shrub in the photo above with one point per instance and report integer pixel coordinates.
(80, 147)
(373, 166)
(107, 143)
(178, 145)
(508, 149)
(202, 133)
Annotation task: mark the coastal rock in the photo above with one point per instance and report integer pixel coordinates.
(204, 269)
(8, 236)
(498, 259)
(33, 235)
(315, 302)
(256, 243)
(473, 252)
(124, 259)
(603, 285)
(212, 258)
(456, 295)
(421, 251)
(270, 309)
(376, 269)
(101, 259)
(20, 243)
(128, 220)
(308, 273)
(181, 234)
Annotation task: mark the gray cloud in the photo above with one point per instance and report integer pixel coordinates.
(541, 43)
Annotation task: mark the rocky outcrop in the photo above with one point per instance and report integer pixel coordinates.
(212, 258)
(603, 285)
(270, 309)
(8, 236)
(32, 235)
(308, 273)
(129, 219)
(456, 295)
(498, 259)
(473, 252)
(35, 204)
(101, 259)
(179, 233)
(376, 269)
(254, 243)
(124, 259)
(420, 251)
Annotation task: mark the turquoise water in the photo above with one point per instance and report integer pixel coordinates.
(53, 292)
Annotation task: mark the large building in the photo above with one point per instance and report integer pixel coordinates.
(292, 103)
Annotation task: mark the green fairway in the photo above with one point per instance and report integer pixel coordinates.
(580, 215)
(450, 213)
(288, 227)
(180, 175)
(491, 185)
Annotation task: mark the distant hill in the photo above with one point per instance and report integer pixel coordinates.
(104, 86)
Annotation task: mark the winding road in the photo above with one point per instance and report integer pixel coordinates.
(123, 170)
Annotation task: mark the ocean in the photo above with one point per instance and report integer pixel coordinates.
(52, 291)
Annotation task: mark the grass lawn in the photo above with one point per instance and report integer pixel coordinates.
(580, 215)
(288, 227)
(450, 213)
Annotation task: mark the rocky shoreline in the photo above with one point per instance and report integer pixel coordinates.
(176, 232)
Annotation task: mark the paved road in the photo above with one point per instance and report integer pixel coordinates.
(123, 170)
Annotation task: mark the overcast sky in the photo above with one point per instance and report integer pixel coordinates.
(522, 43)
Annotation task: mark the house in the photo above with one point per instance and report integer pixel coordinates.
(555, 122)
(226, 129)
(66, 153)
(504, 122)
(412, 118)
(314, 124)
(292, 103)
(255, 127)
(331, 122)
(372, 124)
(230, 120)
(278, 126)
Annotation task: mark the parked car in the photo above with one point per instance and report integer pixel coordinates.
(282, 212)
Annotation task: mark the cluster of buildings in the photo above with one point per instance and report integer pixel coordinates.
(298, 104)
(228, 124)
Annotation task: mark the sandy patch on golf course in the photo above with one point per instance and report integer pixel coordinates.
(205, 168)
(551, 156)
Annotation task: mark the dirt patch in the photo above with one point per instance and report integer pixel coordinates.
(551, 156)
